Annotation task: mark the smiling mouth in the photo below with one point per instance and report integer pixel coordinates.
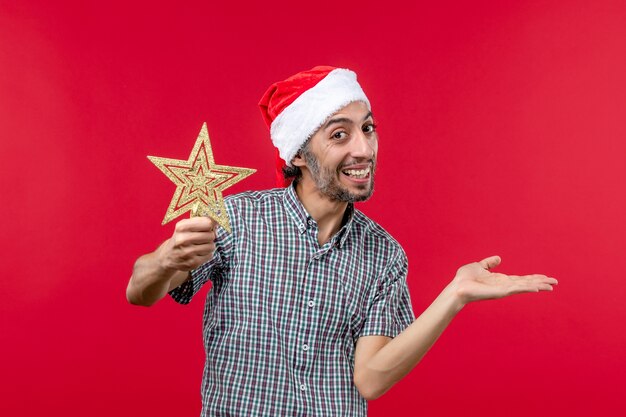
(357, 173)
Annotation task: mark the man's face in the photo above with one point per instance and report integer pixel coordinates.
(340, 158)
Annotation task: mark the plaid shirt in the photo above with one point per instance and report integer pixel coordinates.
(283, 315)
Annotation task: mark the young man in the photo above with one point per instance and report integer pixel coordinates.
(309, 313)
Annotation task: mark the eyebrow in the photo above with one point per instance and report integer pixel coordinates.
(344, 120)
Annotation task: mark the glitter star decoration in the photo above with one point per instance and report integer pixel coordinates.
(200, 182)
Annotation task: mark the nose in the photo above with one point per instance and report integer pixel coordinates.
(364, 145)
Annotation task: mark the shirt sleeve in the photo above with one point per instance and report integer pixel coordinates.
(390, 310)
(213, 270)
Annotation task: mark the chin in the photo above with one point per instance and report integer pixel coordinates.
(337, 190)
(350, 196)
(363, 197)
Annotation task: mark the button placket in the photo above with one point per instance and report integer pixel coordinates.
(308, 313)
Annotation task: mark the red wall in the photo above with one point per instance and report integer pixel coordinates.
(502, 132)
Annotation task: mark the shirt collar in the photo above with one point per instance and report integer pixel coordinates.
(345, 230)
(303, 220)
(295, 209)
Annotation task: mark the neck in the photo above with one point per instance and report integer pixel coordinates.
(327, 213)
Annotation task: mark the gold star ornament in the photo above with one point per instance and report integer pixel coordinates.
(200, 182)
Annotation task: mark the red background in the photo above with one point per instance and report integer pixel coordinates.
(501, 132)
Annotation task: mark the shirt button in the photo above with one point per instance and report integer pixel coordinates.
(302, 387)
(311, 303)
(305, 347)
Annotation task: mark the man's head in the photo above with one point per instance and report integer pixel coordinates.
(306, 105)
(340, 158)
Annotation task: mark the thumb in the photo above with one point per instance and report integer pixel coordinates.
(490, 262)
(213, 223)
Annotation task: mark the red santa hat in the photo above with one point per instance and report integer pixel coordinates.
(296, 108)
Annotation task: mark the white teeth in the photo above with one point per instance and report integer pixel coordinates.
(357, 173)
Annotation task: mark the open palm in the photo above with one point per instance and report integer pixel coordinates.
(476, 282)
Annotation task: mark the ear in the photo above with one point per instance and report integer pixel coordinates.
(298, 161)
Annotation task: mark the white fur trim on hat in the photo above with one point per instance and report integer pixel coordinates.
(301, 119)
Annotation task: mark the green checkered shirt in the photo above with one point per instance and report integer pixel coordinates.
(283, 315)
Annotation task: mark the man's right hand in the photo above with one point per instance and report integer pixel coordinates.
(191, 245)
(158, 272)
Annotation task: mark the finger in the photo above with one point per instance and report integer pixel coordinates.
(524, 287)
(491, 262)
(205, 253)
(531, 287)
(545, 287)
(200, 238)
(209, 222)
(548, 280)
(201, 250)
(539, 278)
(196, 224)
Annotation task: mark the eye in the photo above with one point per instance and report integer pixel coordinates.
(339, 135)
(369, 128)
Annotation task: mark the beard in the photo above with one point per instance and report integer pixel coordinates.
(327, 181)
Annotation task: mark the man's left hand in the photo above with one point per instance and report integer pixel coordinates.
(476, 282)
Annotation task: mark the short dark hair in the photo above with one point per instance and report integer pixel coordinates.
(293, 172)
